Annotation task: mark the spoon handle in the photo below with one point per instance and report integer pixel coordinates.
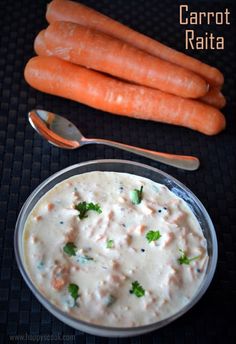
(181, 161)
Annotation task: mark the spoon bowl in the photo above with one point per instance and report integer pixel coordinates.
(57, 128)
(60, 132)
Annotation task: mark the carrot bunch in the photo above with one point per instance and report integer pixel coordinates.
(90, 58)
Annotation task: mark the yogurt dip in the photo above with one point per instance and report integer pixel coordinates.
(115, 249)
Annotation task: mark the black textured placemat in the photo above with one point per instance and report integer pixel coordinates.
(26, 160)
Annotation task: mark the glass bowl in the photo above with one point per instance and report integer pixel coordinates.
(133, 168)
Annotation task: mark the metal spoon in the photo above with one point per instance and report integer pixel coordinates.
(61, 133)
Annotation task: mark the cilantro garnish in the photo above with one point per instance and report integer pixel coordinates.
(136, 195)
(110, 300)
(84, 207)
(183, 259)
(83, 259)
(137, 289)
(70, 249)
(153, 236)
(110, 243)
(73, 289)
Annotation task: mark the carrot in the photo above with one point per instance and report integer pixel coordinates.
(54, 76)
(40, 45)
(93, 49)
(214, 97)
(59, 277)
(64, 10)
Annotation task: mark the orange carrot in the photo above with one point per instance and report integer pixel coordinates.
(40, 45)
(96, 50)
(64, 10)
(54, 76)
(214, 97)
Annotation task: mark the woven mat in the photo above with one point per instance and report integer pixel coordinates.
(26, 160)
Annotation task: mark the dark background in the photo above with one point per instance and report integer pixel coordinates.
(26, 160)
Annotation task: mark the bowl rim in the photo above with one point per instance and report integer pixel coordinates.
(63, 316)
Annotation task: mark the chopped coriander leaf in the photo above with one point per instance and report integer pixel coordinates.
(153, 236)
(110, 300)
(83, 259)
(96, 207)
(136, 195)
(84, 207)
(73, 289)
(70, 249)
(137, 289)
(110, 243)
(40, 265)
(183, 259)
(87, 257)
